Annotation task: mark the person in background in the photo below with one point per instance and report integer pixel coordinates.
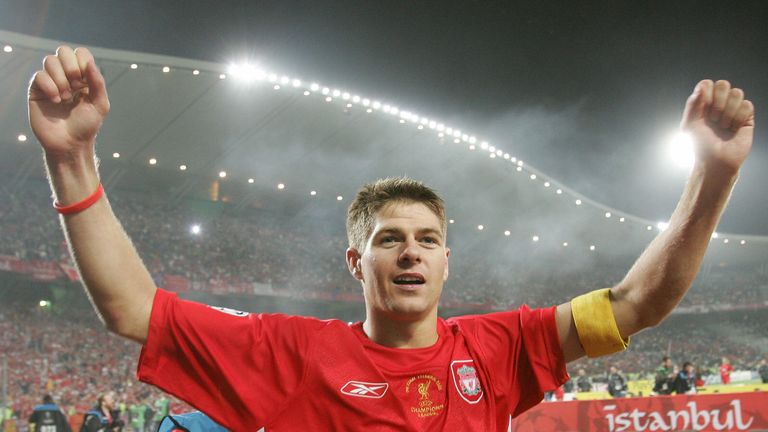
(583, 383)
(762, 370)
(48, 417)
(685, 382)
(617, 383)
(725, 371)
(161, 410)
(665, 377)
(104, 416)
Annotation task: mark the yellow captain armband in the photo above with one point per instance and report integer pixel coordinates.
(596, 325)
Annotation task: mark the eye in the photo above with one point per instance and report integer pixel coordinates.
(430, 240)
(388, 239)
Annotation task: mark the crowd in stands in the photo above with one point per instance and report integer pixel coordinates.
(236, 248)
(70, 356)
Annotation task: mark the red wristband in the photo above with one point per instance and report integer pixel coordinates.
(82, 205)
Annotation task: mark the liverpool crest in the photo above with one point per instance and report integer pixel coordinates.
(466, 381)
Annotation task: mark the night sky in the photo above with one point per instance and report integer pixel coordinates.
(585, 92)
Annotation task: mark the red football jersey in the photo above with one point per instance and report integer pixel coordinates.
(288, 373)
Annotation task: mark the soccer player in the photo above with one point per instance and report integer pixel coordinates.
(403, 368)
(725, 370)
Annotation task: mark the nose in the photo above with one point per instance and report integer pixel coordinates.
(410, 253)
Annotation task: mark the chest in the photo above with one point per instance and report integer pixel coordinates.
(358, 389)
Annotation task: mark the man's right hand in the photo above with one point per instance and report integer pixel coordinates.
(67, 102)
(67, 105)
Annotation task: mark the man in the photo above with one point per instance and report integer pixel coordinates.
(762, 370)
(104, 416)
(725, 370)
(617, 383)
(665, 377)
(403, 368)
(48, 417)
(583, 383)
(685, 382)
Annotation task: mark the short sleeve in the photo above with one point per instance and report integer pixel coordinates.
(522, 353)
(240, 369)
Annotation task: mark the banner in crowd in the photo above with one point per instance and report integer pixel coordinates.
(717, 412)
(38, 270)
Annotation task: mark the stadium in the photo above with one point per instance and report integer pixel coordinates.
(233, 181)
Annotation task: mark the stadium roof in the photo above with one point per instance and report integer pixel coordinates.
(323, 138)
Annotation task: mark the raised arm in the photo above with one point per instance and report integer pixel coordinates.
(721, 123)
(67, 105)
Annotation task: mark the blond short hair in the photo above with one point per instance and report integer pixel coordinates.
(372, 197)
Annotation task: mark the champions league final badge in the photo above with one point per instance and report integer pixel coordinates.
(466, 381)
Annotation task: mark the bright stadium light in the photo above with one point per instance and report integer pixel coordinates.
(245, 72)
(222, 174)
(480, 227)
(166, 69)
(21, 138)
(7, 48)
(134, 66)
(195, 229)
(116, 155)
(680, 150)
(44, 303)
(153, 161)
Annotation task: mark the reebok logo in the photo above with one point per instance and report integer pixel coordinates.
(365, 389)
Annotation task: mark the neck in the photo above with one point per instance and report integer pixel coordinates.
(384, 331)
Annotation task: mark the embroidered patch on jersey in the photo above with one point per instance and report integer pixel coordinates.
(365, 389)
(428, 392)
(466, 381)
(229, 311)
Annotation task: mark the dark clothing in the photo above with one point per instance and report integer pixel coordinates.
(617, 385)
(583, 384)
(665, 383)
(96, 421)
(763, 372)
(685, 382)
(49, 418)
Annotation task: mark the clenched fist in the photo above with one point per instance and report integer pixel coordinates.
(722, 124)
(67, 102)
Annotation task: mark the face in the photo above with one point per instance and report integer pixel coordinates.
(109, 401)
(404, 263)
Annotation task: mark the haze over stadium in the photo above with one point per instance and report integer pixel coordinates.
(555, 168)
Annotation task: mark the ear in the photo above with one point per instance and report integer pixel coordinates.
(445, 272)
(354, 262)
